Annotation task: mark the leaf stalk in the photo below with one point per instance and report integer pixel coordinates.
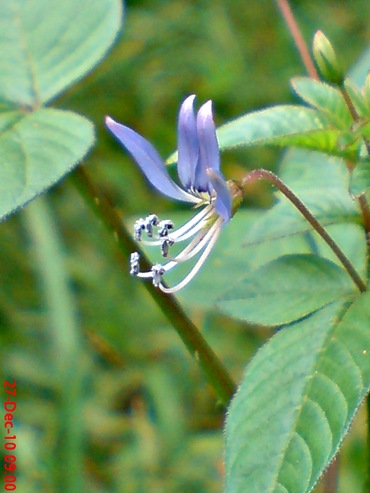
(259, 174)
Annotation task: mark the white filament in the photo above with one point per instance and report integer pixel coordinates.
(196, 267)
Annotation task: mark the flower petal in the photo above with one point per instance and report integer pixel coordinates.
(209, 156)
(223, 202)
(149, 161)
(187, 143)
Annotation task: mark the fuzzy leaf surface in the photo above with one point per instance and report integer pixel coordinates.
(36, 150)
(285, 125)
(286, 289)
(360, 179)
(325, 98)
(46, 46)
(297, 400)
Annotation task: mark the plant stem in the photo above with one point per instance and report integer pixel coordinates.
(289, 194)
(356, 117)
(365, 211)
(297, 37)
(348, 101)
(198, 347)
(331, 477)
(353, 111)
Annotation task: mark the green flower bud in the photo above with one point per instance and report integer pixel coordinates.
(326, 60)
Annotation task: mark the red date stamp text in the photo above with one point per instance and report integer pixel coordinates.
(10, 405)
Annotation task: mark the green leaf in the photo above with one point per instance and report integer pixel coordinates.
(358, 99)
(46, 46)
(310, 175)
(37, 149)
(286, 289)
(360, 179)
(352, 240)
(283, 126)
(297, 400)
(325, 98)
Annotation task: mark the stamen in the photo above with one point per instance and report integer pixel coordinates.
(183, 233)
(196, 267)
(204, 227)
(157, 273)
(198, 243)
(178, 235)
(166, 243)
(134, 264)
(164, 227)
(139, 227)
(150, 221)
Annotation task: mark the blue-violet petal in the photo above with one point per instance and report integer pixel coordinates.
(223, 202)
(187, 143)
(149, 161)
(209, 155)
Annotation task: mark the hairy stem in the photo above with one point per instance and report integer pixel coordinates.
(365, 212)
(331, 477)
(356, 117)
(299, 41)
(349, 104)
(198, 347)
(289, 194)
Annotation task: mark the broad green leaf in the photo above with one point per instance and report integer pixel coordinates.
(310, 175)
(297, 400)
(37, 149)
(46, 46)
(286, 289)
(284, 126)
(360, 179)
(325, 98)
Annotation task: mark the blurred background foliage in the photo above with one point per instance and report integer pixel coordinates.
(108, 399)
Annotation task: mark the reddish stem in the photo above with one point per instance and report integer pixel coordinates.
(298, 38)
(331, 477)
(289, 194)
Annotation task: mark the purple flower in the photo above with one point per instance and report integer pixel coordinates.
(202, 183)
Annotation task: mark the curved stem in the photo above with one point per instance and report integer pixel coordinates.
(289, 194)
(364, 205)
(355, 117)
(297, 37)
(331, 477)
(198, 347)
